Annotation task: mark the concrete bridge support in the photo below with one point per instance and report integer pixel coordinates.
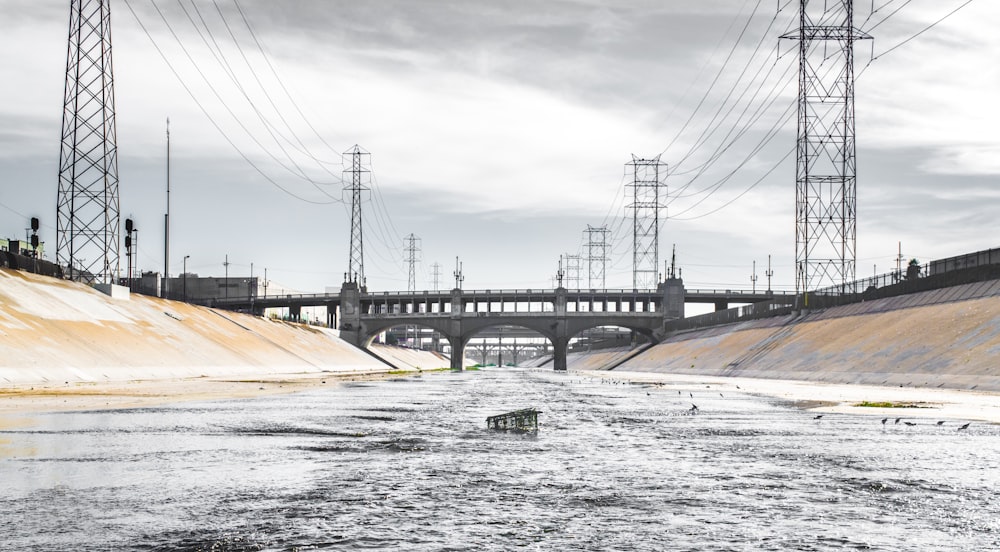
(457, 352)
(559, 347)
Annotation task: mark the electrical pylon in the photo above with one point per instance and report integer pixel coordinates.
(597, 255)
(647, 179)
(436, 275)
(357, 176)
(572, 271)
(412, 252)
(825, 173)
(87, 210)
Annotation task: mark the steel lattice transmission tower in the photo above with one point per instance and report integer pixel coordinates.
(357, 176)
(597, 255)
(573, 271)
(826, 184)
(87, 210)
(436, 275)
(647, 180)
(412, 252)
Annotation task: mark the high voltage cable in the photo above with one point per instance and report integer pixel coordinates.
(705, 134)
(718, 74)
(236, 42)
(225, 105)
(212, 119)
(220, 57)
(922, 31)
(772, 132)
(281, 82)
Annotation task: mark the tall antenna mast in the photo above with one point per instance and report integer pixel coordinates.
(87, 210)
(166, 225)
(825, 173)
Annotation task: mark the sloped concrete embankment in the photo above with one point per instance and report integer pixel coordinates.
(58, 331)
(948, 338)
(415, 359)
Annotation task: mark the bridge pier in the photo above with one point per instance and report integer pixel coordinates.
(721, 305)
(559, 347)
(457, 352)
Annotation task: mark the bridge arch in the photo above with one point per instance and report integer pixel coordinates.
(372, 328)
(505, 345)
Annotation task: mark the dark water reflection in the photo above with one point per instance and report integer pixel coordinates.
(408, 465)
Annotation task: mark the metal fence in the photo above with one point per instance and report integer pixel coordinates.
(952, 271)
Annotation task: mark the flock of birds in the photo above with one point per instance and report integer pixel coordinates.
(695, 410)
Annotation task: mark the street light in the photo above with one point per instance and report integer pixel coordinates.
(185, 276)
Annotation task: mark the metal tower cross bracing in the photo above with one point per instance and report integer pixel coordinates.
(412, 257)
(597, 255)
(357, 176)
(647, 179)
(572, 271)
(436, 275)
(87, 210)
(825, 176)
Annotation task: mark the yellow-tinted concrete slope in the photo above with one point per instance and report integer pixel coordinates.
(56, 331)
(945, 338)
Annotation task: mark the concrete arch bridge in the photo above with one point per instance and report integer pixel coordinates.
(558, 315)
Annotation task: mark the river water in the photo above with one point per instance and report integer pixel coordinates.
(407, 464)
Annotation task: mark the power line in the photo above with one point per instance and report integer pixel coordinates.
(215, 123)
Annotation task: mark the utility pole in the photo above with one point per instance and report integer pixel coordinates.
(753, 276)
(597, 255)
(899, 261)
(560, 273)
(87, 206)
(647, 179)
(226, 284)
(359, 175)
(825, 170)
(166, 224)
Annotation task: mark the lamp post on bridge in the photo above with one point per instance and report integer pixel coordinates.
(185, 276)
(769, 273)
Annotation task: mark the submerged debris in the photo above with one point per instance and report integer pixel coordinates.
(519, 420)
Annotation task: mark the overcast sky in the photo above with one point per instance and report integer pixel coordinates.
(498, 130)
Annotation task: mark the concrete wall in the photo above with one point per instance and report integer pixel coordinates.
(54, 331)
(944, 338)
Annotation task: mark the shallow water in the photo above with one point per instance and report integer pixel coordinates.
(408, 465)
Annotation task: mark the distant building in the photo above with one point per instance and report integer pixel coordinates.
(22, 247)
(203, 289)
